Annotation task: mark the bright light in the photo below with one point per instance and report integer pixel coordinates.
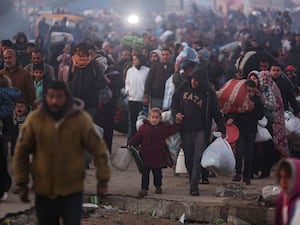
(133, 19)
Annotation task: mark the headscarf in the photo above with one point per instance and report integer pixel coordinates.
(279, 132)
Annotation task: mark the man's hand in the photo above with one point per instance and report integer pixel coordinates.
(224, 135)
(179, 117)
(146, 101)
(24, 193)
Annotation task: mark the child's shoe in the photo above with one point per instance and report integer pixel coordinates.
(158, 190)
(143, 193)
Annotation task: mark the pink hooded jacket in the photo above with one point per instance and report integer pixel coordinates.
(293, 197)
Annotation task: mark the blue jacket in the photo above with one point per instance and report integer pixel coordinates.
(7, 98)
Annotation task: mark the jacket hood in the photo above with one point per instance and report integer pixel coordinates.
(73, 106)
(294, 188)
(157, 52)
(19, 36)
(258, 76)
(201, 76)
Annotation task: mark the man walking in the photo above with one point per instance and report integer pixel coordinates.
(56, 135)
(156, 80)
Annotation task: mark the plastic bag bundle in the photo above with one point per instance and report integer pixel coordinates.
(262, 134)
(169, 92)
(122, 159)
(292, 126)
(263, 122)
(218, 157)
(173, 142)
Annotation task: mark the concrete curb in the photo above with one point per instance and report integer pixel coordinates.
(203, 209)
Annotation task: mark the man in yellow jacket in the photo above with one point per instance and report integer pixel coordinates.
(56, 135)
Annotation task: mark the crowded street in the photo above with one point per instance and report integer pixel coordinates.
(124, 112)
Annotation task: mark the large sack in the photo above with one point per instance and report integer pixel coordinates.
(132, 41)
(292, 126)
(218, 157)
(233, 97)
(262, 134)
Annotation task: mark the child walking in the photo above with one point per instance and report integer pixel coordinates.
(154, 151)
(40, 81)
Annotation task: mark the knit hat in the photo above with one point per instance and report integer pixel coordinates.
(290, 68)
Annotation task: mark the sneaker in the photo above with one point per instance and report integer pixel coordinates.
(158, 190)
(237, 178)
(194, 193)
(143, 193)
(205, 181)
(4, 197)
(247, 181)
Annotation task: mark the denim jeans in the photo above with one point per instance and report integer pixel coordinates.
(194, 144)
(134, 109)
(244, 151)
(49, 211)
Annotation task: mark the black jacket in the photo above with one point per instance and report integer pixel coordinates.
(87, 82)
(199, 107)
(156, 80)
(287, 93)
(247, 122)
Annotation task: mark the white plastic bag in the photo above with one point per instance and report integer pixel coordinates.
(122, 159)
(180, 163)
(169, 92)
(262, 135)
(173, 142)
(292, 126)
(218, 157)
(263, 122)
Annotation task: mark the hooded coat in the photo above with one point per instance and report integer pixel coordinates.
(154, 151)
(199, 106)
(268, 96)
(58, 147)
(293, 197)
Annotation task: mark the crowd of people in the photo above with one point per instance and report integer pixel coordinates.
(53, 85)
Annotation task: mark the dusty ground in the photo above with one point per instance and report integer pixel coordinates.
(116, 217)
(107, 217)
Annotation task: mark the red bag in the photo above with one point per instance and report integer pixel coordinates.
(233, 97)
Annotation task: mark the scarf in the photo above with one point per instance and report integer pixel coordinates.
(80, 62)
(279, 132)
